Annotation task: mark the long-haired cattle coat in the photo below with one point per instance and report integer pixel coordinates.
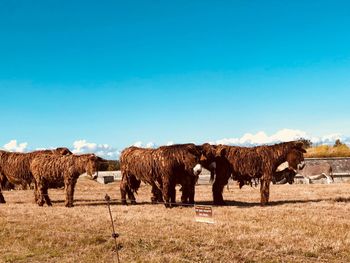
(15, 167)
(61, 170)
(259, 162)
(162, 168)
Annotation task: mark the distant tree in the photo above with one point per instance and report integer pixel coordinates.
(307, 143)
(113, 165)
(338, 143)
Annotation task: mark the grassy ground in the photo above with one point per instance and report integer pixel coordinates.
(304, 223)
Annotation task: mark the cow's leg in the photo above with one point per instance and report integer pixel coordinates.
(131, 196)
(2, 199)
(191, 194)
(185, 194)
(167, 193)
(185, 191)
(46, 196)
(69, 185)
(264, 191)
(36, 192)
(2, 183)
(123, 190)
(156, 195)
(218, 189)
(40, 193)
(173, 194)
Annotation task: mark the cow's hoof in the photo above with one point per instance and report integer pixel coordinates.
(154, 200)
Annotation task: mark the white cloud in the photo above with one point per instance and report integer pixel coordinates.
(147, 145)
(346, 140)
(288, 135)
(283, 135)
(330, 139)
(13, 146)
(102, 150)
(262, 138)
(138, 144)
(150, 145)
(108, 152)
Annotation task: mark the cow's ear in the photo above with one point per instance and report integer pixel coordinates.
(299, 147)
(206, 147)
(221, 153)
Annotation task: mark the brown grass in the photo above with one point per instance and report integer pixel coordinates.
(328, 151)
(303, 223)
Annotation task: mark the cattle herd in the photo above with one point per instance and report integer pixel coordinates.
(46, 169)
(163, 168)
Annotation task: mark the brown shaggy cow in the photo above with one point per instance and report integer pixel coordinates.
(247, 163)
(56, 170)
(162, 168)
(15, 167)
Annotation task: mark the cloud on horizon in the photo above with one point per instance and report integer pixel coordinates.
(109, 152)
(151, 144)
(283, 135)
(102, 150)
(14, 146)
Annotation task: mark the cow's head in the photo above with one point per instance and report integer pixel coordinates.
(92, 166)
(63, 151)
(207, 157)
(295, 157)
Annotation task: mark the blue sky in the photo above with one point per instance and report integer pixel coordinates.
(116, 72)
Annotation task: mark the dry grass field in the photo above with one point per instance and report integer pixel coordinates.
(328, 151)
(303, 223)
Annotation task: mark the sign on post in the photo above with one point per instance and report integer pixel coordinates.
(204, 214)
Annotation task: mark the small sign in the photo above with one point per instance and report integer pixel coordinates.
(204, 214)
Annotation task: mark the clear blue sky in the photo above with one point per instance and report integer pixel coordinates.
(117, 72)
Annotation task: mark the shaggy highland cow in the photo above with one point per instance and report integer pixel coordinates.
(249, 163)
(15, 167)
(162, 168)
(56, 170)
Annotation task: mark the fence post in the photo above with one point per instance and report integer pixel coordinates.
(114, 234)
